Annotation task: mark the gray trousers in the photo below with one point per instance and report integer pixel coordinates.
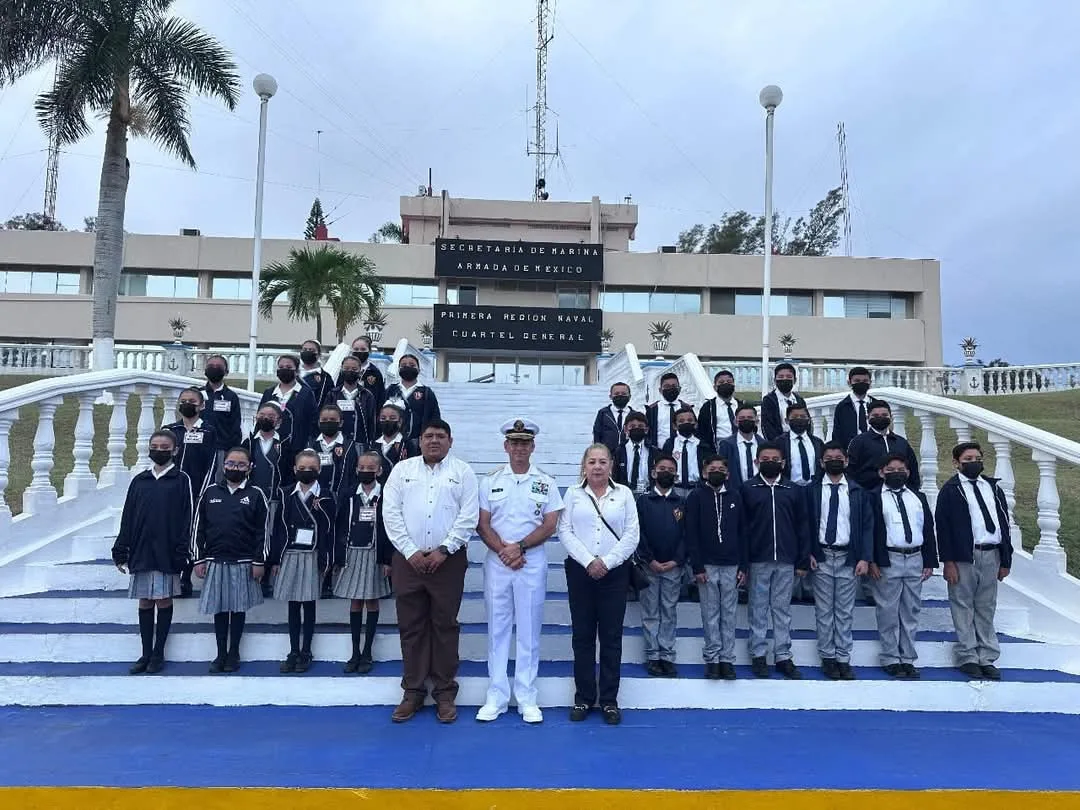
(973, 601)
(719, 598)
(770, 597)
(898, 595)
(659, 607)
(834, 605)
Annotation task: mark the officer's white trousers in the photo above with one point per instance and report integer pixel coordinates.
(508, 595)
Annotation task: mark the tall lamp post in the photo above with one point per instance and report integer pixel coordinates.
(770, 98)
(265, 86)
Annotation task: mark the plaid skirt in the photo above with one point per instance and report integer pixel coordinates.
(153, 585)
(229, 588)
(362, 576)
(298, 578)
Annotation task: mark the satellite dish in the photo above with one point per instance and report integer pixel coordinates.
(421, 190)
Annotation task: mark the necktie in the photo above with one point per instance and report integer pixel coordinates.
(804, 459)
(671, 418)
(731, 416)
(988, 521)
(862, 416)
(903, 515)
(637, 464)
(684, 467)
(834, 512)
(749, 460)
(620, 423)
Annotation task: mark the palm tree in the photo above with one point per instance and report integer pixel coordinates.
(114, 57)
(345, 281)
(389, 232)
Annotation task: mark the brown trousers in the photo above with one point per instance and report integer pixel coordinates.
(427, 611)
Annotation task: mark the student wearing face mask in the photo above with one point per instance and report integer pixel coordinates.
(635, 456)
(271, 464)
(300, 551)
(610, 423)
(337, 457)
(802, 451)
(661, 414)
(356, 403)
(740, 449)
(852, 414)
(687, 450)
(222, 408)
(418, 402)
(363, 554)
(311, 371)
(905, 555)
(371, 378)
(299, 411)
(975, 544)
(719, 558)
(716, 418)
(391, 443)
(867, 449)
(662, 547)
(775, 403)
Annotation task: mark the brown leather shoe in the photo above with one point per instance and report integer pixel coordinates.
(406, 709)
(446, 711)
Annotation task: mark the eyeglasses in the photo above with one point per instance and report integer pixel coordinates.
(235, 465)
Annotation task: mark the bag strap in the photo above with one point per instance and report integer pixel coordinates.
(600, 514)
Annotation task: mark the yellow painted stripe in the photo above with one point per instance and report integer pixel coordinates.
(321, 799)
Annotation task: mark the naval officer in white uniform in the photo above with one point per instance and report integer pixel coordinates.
(519, 511)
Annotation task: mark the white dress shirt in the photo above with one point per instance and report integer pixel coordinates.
(692, 444)
(518, 502)
(894, 523)
(426, 506)
(264, 443)
(866, 409)
(723, 422)
(782, 402)
(615, 415)
(665, 413)
(978, 524)
(843, 515)
(795, 457)
(284, 396)
(643, 465)
(741, 446)
(157, 475)
(584, 535)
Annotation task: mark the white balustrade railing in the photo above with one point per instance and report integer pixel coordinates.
(624, 366)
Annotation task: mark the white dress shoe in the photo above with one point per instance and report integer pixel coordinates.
(488, 712)
(531, 714)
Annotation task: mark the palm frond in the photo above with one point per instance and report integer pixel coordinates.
(162, 99)
(83, 81)
(32, 32)
(179, 50)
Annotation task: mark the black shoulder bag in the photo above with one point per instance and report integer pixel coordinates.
(639, 570)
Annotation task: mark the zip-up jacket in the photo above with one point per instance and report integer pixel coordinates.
(273, 470)
(196, 454)
(314, 513)
(955, 539)
(881, 549)
(714, 528)
(775, 521)
(358, 425)
(356, 529)
(155, 526)
(860, 543)
(660, 519)
(230, 527)
(222, 410)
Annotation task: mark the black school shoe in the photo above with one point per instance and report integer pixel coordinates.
(788, 669)
(186, 591)
(670, 670)
(364, 664)
(712, 672)
(846, 672)
(991, 673)
(155, 665)
(578, 712)
(352, 664)
(972, 670)
(911, 673)
(289, 664)
(232, 662)
(654, 669)
(831, 669)
(140, 666)
(217, 666)
(304, 662)
(612, 715)
(727, 671)
(759, 667)
(894, 670)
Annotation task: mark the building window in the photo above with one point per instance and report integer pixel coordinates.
(461, 295)
(869, 305)
(781, 302)
(655, 301)
(39, 282)
(410, 295)
(152, 285)
(231, 287)
(570, 297)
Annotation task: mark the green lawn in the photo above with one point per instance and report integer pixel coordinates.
(1058, 413)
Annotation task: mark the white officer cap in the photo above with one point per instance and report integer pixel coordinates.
(519, 429)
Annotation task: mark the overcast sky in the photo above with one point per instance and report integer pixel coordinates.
(961, 121)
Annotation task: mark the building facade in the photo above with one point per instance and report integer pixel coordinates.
(516, 292)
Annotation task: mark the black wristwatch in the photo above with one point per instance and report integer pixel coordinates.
(446, 551)
(521, 547)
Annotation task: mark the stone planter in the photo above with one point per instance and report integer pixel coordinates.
(374, 333)
(660, 344)
(425, 340)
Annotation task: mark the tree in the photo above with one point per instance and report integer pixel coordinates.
(314, 220)
(815, 234)
(345, 281)
(389, 232)
(125, 59)
(33, 221)
(89, 224)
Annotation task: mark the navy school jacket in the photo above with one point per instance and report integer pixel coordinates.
(868, 449)
(222, 410)
(732, 449)
(789, 460)
(230, 527)
(337, 471)
(319, 383)
(861, 518)
(706, 421)
(196, 454)
(651, 416)
(660, 518)
(845, 423)
(398, 451)
(624, 456)
(314, 513)
(881, 551)
(358, 415)
(955, 539)
(155, 525)
(272, 471)
(421, 407)
(775, 522)
(605, 429)
(357, 529)
(299, 417)
(714, 528)
(773, 414)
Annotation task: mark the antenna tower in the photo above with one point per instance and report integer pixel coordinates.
(52, 174)
(841, 142)
(545, 18)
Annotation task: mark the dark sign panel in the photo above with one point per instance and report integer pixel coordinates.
(498, 258)
(526, 329)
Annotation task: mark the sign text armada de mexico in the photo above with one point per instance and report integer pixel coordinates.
(506, 259)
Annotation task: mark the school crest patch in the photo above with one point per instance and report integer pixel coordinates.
(539, 488)
(339, 450)
(370, 379)
(677, 512)
(419, 395)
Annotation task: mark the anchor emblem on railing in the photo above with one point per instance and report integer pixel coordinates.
(172, 364)
(973, 383)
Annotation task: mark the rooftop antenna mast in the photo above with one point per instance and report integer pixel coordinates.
(841, 142)
(52, 173)
(545, 18)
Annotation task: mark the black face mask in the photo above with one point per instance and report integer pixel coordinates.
(747, 426)
(329, 428)
(785, 386)
(365, 476)
(880, 423)
(161, 457)
(235, 476)
(361, 356)
(686, 430)
(859, 389)
(771, 469)
(264, 424)
(350, 376)
(725, 390)
(286, 375)
(637, 435)
(665, 480)
(620, 401)
(408, 373)
(215, 374)
(309, 356)
(835, 466)
(389, 428)
(670, 394)
(717, 478)
(307, 476)
(895, 480)
(972, 469)
(799, 425)
(188, 409)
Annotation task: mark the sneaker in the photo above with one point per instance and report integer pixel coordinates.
(304, 662)
(489, 711)
(364, 665)
(531, 714)
(894, 670)
(140, 666)
(727, 671)
(712, 672)
(846, 672)
(670, 670)
(232, 662)
(578, 712)
(991, 673)
(157, 663)
(612, 715)
(289, 664)
(788, 669)
(759, 667)
(831, 669)
(972, 670)
(217, 666)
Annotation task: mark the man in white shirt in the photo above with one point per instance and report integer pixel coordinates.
(430, 510)
(519, 511)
